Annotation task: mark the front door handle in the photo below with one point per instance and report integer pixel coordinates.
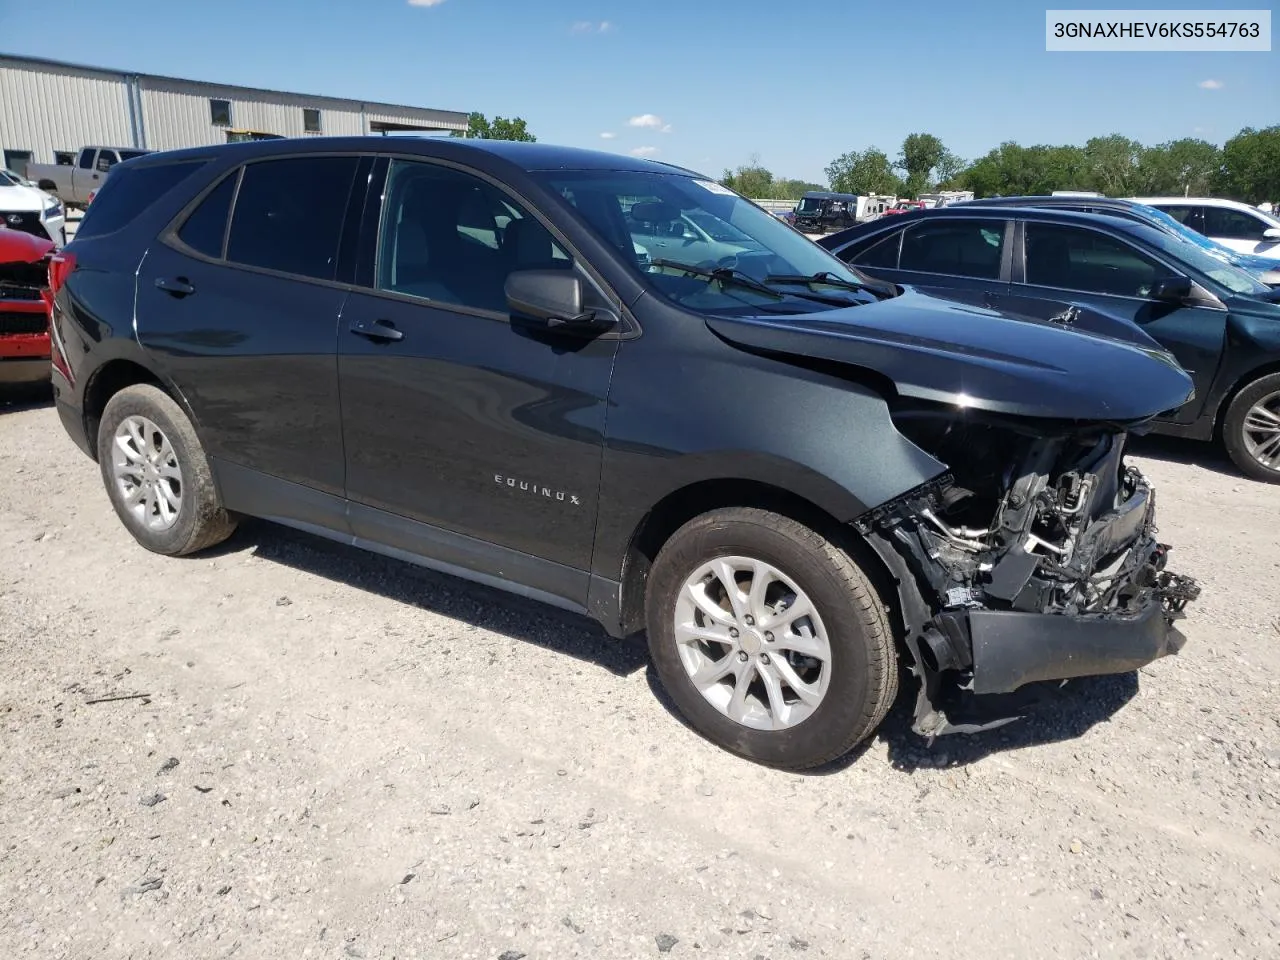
(178, 286)
(376, 329)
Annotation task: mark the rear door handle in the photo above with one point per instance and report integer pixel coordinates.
(178, 286)
(376, 329)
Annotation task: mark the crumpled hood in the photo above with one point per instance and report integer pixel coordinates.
(945, 347)
(17, 246)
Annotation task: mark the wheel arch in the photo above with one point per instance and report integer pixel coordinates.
(1242, 382)
(695, 499)
(113, 376)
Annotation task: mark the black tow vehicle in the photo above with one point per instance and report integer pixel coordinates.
(457, 353)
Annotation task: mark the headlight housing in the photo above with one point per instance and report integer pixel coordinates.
(52, 209)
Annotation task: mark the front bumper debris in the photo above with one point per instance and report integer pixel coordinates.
(1067, 580)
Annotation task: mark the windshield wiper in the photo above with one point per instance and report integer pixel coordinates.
(822, 276)
(722, 274)
(882, 290)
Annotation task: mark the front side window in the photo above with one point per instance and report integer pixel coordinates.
(220, 113)
(288, 215)
(449, 237)
(1232, 224)
(703, 246)
(1073, 258)
(86, 160)
(960, 248)
(106, 160)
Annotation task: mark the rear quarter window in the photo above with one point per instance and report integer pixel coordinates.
(127, 193)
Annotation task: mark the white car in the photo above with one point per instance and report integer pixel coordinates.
(1236, 225)
(31, 210)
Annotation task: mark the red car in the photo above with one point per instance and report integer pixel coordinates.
(905, 206)
(24, 307)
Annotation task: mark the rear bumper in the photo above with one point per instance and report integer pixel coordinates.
(1012, 649)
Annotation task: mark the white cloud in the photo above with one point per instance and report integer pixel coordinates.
(1211, 84)
(425, 3)
(643, 151)
(584, 26)
(667, 128)
(607, 135)
(650, 120)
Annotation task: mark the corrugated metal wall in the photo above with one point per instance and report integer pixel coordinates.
(43, 111)
(46, 107)
(176, 114)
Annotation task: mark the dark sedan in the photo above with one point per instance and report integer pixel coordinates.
(1222, 324)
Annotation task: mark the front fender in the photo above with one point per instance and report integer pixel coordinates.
(732, 416)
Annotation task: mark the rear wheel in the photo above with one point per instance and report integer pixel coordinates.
(156, 473)
(769, 638)
(1251, 429)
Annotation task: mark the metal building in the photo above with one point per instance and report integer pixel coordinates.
(49, 109)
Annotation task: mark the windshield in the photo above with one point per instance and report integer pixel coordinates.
(1173, 225)
(1231, 277)
(739, 259)
(8, 180)
(810, 205)
(718, 229)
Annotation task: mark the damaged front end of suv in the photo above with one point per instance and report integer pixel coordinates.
(1034, 558)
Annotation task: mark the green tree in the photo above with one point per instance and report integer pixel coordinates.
(1113, 164)
(949, 168)
(1187, 167)
(479, 128)
(1014, 170)
(1251, 165)
(921, 152)
(868, 171)
(751, 180)
(793, 189)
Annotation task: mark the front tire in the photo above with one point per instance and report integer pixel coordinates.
(156, 474)
(769, 638)
(1251, 429)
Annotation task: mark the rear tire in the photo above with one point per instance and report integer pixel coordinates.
(1251, 429)
(751, 671)
(156, 474)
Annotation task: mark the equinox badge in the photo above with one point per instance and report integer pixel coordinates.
(524, 486)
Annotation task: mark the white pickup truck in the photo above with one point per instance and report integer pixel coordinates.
(73, 183)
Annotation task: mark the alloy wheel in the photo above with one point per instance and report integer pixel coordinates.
(752, 643)
(147, 474)
(1261, 430)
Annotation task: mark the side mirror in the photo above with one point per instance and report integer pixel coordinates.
(1171, 289)
(1271, 233)
(553, 296)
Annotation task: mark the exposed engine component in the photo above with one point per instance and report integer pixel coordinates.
(1051, 522)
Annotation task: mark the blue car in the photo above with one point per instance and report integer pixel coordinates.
(1266, 269)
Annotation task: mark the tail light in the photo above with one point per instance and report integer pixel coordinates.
(60, 267)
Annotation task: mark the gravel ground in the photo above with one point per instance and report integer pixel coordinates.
(328, 754)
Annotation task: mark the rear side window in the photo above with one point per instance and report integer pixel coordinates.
(961, 248)
(128, 192)
(883, 253)
(206, 227)
(1188, 215)
(288, 215)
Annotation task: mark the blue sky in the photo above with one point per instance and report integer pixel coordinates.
(704, 84)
